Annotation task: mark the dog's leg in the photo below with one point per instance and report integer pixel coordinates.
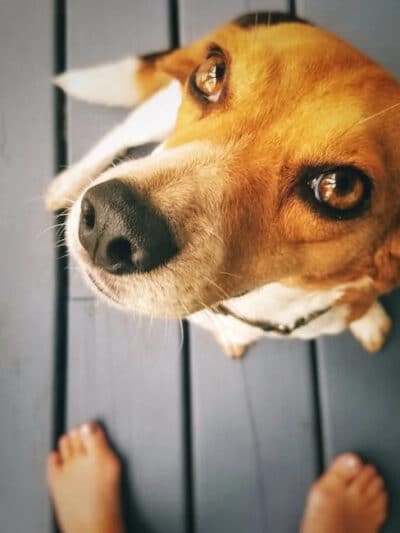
(151, 122)
(234, 338)
(231, 349)
(372, 328)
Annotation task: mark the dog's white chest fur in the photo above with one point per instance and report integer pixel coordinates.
(278, 304)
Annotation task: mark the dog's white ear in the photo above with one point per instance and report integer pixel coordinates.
(123, 83)
(110, 84)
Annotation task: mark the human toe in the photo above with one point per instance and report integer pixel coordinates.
(93, 437)
(379, 508)
(76, 442)
(344, 467)
(363, 480)
(376, 487)
(65, 448)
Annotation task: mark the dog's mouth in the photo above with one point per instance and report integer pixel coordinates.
(164, 272)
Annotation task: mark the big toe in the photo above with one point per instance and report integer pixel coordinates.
(345, 466)
(93, 438)
(98, 448)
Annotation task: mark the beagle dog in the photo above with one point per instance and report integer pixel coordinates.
(271, 206)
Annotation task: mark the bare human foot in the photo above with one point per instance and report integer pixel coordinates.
(84, 481)
(349, 497)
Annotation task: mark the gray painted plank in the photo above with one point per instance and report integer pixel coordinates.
(253, 420)
(360, 395)
(370, 25)
(27, 265)
(360, 392)
(126, 375)
(254, 436)
(198, 18)
(98, 33)
(123, 370)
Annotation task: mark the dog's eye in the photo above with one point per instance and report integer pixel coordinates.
(340, 189)
(208, 79)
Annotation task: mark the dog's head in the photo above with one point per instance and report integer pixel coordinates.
(284, 165)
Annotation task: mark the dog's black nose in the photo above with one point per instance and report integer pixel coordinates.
(121, 231)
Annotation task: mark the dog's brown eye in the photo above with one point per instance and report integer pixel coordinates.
(340, 189)
(209, 78)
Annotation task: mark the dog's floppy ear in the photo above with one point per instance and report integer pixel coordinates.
(129, 81)
(387, 262)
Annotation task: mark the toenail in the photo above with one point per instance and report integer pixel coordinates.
(88, 428)
(352, 462)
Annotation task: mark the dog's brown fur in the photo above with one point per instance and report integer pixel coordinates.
(298, 124)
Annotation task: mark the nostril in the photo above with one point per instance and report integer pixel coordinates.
(119, 251)
(88, 214)
(124, 256)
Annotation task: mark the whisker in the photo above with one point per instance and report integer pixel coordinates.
(220, 289)
(212, 234)
(370, 117)
(213, 320)
(70, 200)
(45, 230)
(230, 274)
(64, 213)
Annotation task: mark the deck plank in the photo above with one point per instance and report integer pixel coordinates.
(254, 442)
(125, 371)
(359, 398)
(360, 392)
(254, 436)
(27, 267)
(126, 374)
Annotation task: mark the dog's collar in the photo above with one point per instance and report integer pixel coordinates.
(267, 326)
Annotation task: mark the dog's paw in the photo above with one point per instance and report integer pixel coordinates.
(231, 349)
(372, 329)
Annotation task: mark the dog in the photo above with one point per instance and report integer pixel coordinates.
(270, 206)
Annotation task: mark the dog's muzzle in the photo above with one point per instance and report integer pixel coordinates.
(122, 232)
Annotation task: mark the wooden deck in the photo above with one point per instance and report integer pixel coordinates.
(209, 445)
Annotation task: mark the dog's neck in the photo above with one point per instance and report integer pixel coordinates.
(280, 303)
(290, 311)
(268, 326)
